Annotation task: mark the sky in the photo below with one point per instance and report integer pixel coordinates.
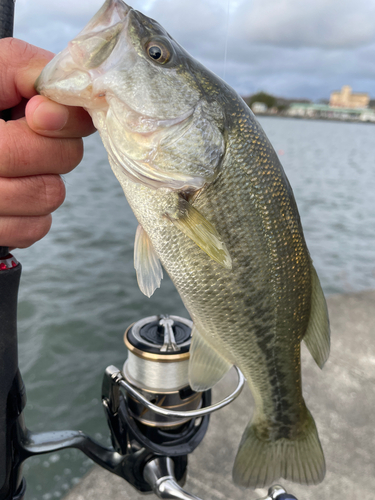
(289, 48)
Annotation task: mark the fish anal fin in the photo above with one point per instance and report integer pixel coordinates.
(146, 263)
(317, 336)
(192, 223)
(206, 366)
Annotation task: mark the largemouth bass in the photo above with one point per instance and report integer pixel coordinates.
(216, 210)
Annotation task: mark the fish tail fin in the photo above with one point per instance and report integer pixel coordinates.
(259, 463)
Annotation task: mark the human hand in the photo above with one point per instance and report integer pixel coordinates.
(40, 142)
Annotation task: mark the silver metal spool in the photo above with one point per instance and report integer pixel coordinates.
(157, 367)
(157, 372)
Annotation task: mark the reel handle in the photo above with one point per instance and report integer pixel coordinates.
(277, 492)
(159, 473)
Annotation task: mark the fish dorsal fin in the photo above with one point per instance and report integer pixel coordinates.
(206, 366)
(317, 336)
(192, 223)
(146, 263)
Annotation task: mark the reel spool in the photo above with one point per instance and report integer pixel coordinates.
(144, 387)
(157, 367)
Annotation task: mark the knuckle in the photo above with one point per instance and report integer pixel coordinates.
(74, 152)
(22, 232)
(10, 152)
(35, 229)
(53, 192)
(18, 47)
(18, 51)
(35, 154)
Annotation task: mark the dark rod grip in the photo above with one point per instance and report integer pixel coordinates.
(6, 30)
(6, 18)
(9, 284)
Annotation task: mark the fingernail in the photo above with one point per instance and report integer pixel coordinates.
(50, 116)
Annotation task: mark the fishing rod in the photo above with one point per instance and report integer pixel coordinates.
(6, 30)
(11, 386)
(150, 441)
(6, 18)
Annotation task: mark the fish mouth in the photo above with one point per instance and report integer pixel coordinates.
(68, 77)
(111, 12)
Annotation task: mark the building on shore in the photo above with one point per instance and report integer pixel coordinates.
(345, 98)
(259, 107)
(356, 109)
(323, 111)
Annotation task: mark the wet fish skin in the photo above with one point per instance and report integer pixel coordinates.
(216, 208)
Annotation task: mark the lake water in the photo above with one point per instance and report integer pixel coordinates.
(79, 291)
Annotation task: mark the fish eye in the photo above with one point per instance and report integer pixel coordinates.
(158, 52)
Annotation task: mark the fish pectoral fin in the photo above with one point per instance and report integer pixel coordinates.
(192, 223)
(146, 263)
(206, 366)
(317, 336)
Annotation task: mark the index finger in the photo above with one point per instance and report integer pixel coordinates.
(20, 65)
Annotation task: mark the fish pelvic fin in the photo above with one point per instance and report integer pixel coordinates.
(192, 223)
(146, 263)
(206, 366)
(317, 336)
(261, 462)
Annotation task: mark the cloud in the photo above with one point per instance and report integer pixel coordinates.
(69, 9)
(51, 24)
(318, 23)
(291, 48)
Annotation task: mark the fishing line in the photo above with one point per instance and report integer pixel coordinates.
(226, 41)
(155, 376)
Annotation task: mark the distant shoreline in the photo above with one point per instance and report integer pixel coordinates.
(277, 115)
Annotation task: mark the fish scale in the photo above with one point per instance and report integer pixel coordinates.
(216, 209)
